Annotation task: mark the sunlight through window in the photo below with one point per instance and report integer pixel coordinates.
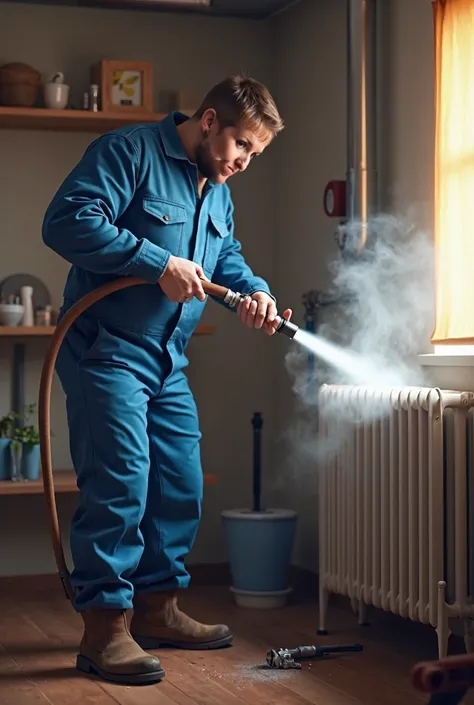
(454, 176)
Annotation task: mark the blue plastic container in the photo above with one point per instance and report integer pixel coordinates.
(30, 462)
(5, 459)
(260, 547)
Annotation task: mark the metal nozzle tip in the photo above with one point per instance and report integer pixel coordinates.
(287, 328)
(272, 658)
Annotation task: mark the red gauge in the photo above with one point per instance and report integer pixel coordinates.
(335, 199)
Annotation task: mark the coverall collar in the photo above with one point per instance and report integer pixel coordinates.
(172, 142)
(169, 134)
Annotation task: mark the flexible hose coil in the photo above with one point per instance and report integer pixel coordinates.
(44, 406)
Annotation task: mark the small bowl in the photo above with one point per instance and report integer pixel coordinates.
(11, 314)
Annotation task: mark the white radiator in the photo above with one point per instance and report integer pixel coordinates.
(395, 501)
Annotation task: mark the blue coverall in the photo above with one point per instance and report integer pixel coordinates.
(130, 203)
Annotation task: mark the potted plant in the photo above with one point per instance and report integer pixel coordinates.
(260, 545)
(7, 424)
(25, 448)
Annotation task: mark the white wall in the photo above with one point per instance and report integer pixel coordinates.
(228, 370)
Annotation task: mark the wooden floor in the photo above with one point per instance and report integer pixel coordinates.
(39, 634)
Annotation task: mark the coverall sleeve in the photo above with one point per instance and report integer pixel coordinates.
(79, 223)
(232, 271)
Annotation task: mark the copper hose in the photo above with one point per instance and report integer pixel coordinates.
(44, 405)
(447, 675)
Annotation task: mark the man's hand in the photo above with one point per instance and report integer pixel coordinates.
(259, 311)
(181, 280)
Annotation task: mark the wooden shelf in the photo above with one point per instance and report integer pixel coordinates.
(69, 120)
(64, 483)
(20, 331)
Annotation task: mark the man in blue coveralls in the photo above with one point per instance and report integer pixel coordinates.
(148, 201)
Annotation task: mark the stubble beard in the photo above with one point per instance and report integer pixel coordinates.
(204, 161)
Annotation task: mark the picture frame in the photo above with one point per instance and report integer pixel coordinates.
(124, 86)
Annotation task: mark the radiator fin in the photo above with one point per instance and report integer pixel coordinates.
(395, 491)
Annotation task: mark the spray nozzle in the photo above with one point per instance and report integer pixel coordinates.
(287, 328)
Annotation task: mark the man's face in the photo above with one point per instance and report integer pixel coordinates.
(223, 153)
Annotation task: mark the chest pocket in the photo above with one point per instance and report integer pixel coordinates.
(164, 224)
(217, 231)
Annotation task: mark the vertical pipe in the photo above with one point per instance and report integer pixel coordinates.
(310, 326)
(257, 423)
(362, 190)
(18, 387)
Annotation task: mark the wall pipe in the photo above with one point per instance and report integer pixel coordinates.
(362, 186)
(361, 176)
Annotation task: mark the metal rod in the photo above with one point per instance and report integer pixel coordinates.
(257, 423)
(362, 189)
(18, 385)
(288, 658)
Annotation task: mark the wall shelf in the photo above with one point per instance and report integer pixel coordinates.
(20, 331)
(69, 120)
(64, 483)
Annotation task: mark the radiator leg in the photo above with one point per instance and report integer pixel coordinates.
(360, 609)
(362, 614)
(323, 608)
(442, 627)
(469, 635)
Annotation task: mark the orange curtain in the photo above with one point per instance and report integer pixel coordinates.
(454, 172)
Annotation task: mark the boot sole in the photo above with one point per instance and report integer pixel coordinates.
(147, 643)
(85, 665)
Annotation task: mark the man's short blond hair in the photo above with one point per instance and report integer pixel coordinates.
(241, 101)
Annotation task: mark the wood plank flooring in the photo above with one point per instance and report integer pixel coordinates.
(39, 634)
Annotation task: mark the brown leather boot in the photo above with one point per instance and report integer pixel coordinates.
(157, 621)
(108, 649)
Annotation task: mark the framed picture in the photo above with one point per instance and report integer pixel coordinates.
(125, 86)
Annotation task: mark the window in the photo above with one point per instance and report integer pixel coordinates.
(454, 173)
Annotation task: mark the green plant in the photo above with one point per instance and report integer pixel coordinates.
(27, 413)
(25, 435)
(7, 425)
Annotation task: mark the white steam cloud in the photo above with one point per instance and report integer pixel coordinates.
(384, 320)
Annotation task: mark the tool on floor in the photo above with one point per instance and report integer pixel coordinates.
(231, 298)
(447, 680)
(289, 658)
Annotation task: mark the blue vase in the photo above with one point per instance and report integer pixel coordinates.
(5, 459)
(30, 462)
(260, 547)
